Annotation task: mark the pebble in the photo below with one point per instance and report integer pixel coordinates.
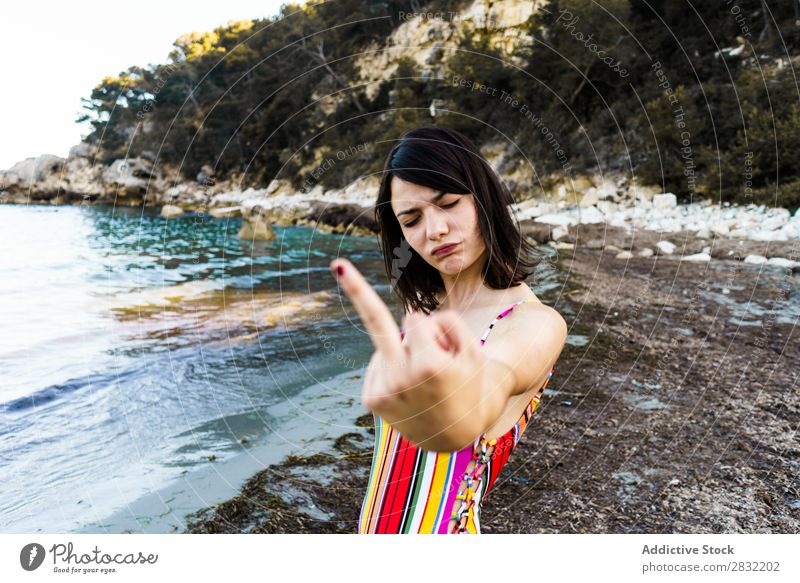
(666, 247)
(698, 257)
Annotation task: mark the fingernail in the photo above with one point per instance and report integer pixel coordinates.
(338, 270)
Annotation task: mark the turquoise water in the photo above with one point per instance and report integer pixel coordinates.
(129, 340)
(133, 348)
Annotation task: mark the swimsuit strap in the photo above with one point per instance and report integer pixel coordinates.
(499, 317)
(503, 314)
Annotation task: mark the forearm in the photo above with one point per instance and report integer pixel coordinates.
(451, 417)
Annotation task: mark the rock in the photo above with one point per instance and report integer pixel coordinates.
(762, 235)
(698, 257)
(665, 201)
(539, 232)
(130, 177)
(607, 207)
(256, 229)
(591, 216)
(755, 259)
(559, 233)
(361, 192)
(530, 209)
(624, 255)
(646, 252)
(276, 186)
(34, 169)
(345, 215)
(720, 229)
(595, 244)
(782, 262)
(237, 198)
(589, 199)
(205, 175)
(82, 150)
(665, 248)
(778, 217)
(226, 212)
(562, 245)
(703, 233)
(170, 211)
(560, 219)
(122, 170)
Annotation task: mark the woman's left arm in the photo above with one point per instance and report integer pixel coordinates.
(526, 352)
(520, 360)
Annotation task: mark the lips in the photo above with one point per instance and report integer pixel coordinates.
(444, 249)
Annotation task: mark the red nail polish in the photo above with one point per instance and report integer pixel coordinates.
(340, 270)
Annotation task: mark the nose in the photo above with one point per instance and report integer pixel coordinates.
(437, 225)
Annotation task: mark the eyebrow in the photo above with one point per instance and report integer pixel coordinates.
(439, 194)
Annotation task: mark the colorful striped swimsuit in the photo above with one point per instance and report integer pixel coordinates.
(412, 490)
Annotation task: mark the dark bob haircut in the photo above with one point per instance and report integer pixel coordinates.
(444, 159)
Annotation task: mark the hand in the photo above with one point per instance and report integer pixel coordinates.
(430, 386)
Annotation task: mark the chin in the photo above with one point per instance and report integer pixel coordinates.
(450, 265)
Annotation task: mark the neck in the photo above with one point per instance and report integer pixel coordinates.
(464, 289)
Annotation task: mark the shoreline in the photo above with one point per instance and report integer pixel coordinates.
(325, 412)
(558, 208)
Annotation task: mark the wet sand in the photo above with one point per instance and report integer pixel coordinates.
(673, 409)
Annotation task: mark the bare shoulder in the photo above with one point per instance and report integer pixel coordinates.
(534, 324)
(530, 344)
(535, 311)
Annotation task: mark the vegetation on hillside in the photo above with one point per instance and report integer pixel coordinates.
(697, 97)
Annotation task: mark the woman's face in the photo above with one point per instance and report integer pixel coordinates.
(430, 219)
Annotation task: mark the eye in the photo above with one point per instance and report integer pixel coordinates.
(444, 206)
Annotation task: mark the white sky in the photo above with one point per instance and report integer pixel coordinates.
(54, 53)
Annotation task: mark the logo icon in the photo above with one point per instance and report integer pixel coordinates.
(402, 256)
(31, 556)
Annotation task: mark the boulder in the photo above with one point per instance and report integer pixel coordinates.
(170, 211)
(560, 219)
(82, 150)
(32, 170)
(665, 201)
(226, 212)
(591, 216)
(665, 248)
(256, 229)
(130, 177)
(755, 259)
(342, 214)
(782, 262)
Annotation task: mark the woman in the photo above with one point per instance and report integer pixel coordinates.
(448, 409)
